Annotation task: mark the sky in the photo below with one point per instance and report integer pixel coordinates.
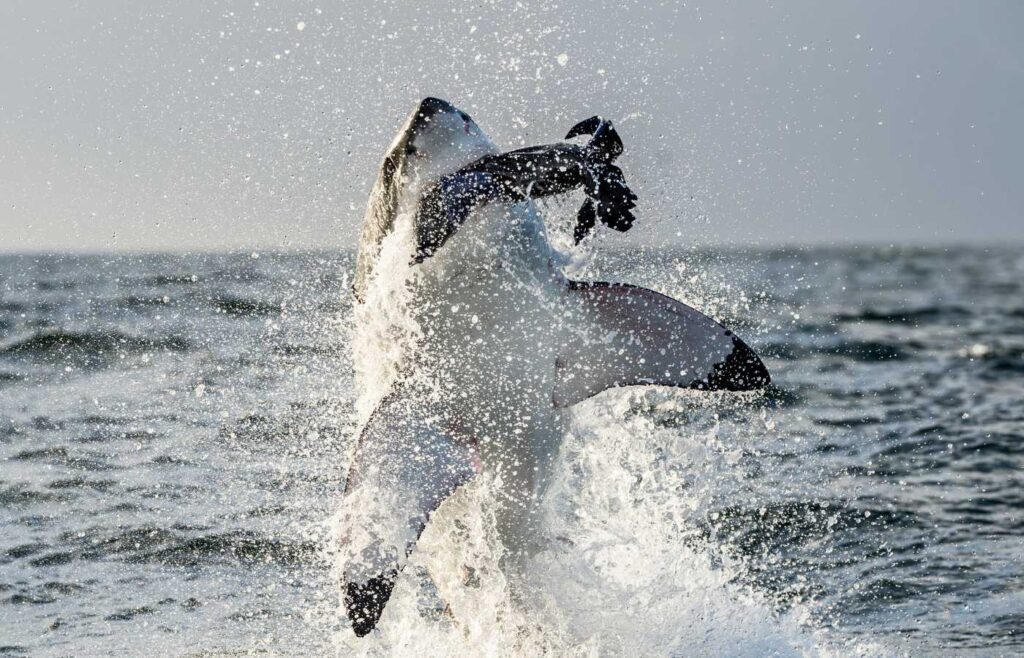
(178, 126)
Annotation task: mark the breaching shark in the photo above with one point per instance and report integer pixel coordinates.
(488, 342)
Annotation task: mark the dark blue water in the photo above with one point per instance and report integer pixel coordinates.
(174, 433)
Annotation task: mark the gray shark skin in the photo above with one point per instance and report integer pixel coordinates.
(494, 342)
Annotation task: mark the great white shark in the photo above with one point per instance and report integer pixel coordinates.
(486, 341)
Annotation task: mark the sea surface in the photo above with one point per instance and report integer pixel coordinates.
(175, 432)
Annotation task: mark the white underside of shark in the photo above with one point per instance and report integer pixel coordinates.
(473, 352)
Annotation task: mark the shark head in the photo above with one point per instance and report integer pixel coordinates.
(437, 138)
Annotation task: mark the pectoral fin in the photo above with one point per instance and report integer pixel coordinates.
(405, 466)
(630, 335)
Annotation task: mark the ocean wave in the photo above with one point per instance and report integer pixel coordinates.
(776, 527)
(7, 377)
(245, 306)
(21, 494)
(127, 614)
(943, 445)
(865, 351)
(22, 551)
(13, 307)
(166, 279)
(49, 592)
(238, 547)
(142, 301)
(90, 461)
(297, 349)
(64, 343)
(168, 546)
(922, 315)
(56, 284)
(83, 483)
(317, 422)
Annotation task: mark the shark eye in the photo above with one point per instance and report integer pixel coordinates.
(410, 149)
(465, 117)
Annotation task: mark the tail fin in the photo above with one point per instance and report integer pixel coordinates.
(605, 143)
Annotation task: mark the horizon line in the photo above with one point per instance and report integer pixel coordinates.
(703, 246)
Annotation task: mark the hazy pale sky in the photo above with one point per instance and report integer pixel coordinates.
(148, 124)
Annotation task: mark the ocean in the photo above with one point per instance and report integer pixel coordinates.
(175, 432)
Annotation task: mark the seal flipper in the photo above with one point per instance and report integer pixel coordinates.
(404, 468)
(586, 219)
(605, 185)
(630, 335)
(605, 143)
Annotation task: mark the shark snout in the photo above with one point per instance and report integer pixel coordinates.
(430, 106)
